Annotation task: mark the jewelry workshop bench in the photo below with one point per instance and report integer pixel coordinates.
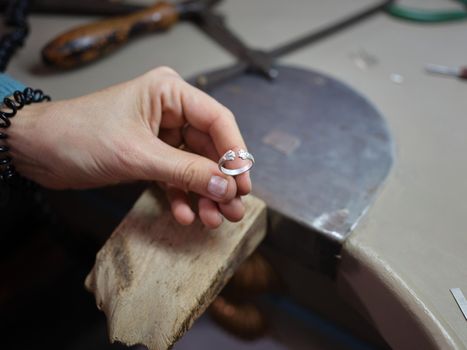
(397, 267)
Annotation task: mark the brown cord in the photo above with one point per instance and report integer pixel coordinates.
(244, 320)
(254, 277)
(235, 309)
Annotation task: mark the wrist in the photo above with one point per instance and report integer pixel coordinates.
(14, 140)
(22, 139)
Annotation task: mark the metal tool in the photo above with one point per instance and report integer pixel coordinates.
(262, 61)
(459, 72)
(90, 42)
(322, 152)
(214, 26)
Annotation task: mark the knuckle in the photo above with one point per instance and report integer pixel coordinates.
(229, 115)
(165, 70)
(186, 174)
(160, 75)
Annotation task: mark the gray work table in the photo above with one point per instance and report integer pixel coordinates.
(410, 248)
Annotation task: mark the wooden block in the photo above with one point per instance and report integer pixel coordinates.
(154, 277)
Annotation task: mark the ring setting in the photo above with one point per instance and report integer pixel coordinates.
(231, 155)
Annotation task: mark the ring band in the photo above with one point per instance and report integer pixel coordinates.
(230, 156)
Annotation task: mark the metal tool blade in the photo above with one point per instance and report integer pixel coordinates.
(312, 37)
(322, 150)
(190, 9)
(268, 57)
(213, 25)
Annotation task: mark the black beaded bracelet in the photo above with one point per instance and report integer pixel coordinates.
(14, 103)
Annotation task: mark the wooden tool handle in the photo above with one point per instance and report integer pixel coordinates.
(90, 42)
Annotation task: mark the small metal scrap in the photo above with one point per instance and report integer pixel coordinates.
(460, 300)
(397, 78)
(363, 59)
(459, 72)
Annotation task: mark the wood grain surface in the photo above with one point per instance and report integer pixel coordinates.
(92, 41)
(154, 277)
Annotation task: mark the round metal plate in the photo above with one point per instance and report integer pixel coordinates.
(321, 149)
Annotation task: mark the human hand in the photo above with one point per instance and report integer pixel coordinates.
(133, 131)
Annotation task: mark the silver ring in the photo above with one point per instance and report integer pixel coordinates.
(230, 156)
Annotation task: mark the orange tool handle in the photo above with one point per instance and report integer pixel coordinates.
(90, 42)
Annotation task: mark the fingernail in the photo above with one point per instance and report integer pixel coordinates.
(217, 186)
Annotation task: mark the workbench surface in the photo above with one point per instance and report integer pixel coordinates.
(410, 248)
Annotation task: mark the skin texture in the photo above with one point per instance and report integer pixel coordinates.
(156, 127)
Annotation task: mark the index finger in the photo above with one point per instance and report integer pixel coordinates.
(209, 116)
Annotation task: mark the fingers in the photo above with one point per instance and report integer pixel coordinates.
(179, 204)
(187, 171)
(182, 103)
(210, 117)
(212, 131)
(202, 143)
(234, 210)
(209, 213)
(164, 98)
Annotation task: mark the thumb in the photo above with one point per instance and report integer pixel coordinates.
(191, 172)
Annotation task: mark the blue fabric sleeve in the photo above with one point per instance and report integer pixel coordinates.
(8, 85)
